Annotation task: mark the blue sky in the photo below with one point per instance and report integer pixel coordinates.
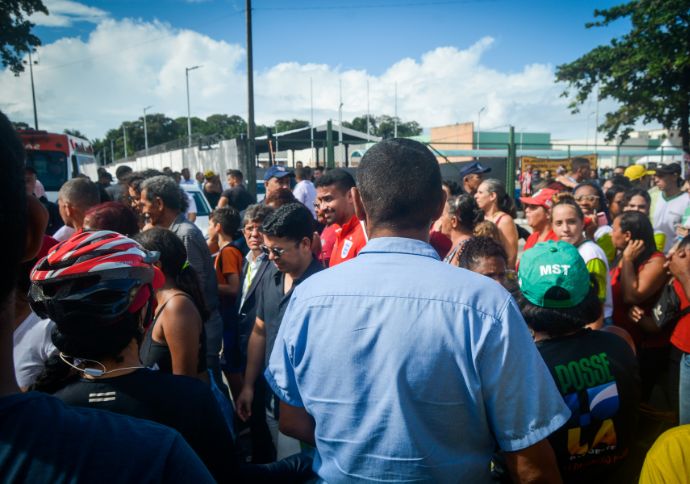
(101, 62)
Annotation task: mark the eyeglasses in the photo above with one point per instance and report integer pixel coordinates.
(277, 251)
(587, 198)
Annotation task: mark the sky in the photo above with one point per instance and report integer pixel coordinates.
(102, 62)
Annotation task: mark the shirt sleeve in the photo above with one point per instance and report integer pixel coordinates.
(280, 373)
(597, 267)
(232, 261)
(522, 402)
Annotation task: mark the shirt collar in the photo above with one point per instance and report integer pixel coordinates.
(251, 259)
(350, 225)
(399, 245)
(178, 220)
(313, 267)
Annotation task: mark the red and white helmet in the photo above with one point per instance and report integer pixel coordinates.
(94, 277)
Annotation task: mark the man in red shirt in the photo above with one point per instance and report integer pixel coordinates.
(334, 198)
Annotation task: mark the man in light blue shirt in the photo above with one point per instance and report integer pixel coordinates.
(401, 368)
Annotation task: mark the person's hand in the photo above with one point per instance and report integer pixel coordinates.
(633, 250)
(681, 231)
(635, 313)
(243, 406)
(590, 228)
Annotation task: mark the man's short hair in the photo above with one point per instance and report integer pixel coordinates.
(477, 248)
(293, 221)
(122, 171)
(166, 189)
(80, 192)
(235, 173)
(337, 177)
(256, 213)
(13, 210)
(400, 184)
(577, 163)
(228, 218)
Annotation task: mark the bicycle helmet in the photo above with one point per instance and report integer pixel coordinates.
(94, 278)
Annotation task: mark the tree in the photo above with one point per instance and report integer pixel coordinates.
(75, 132)
(282, 125)
(386, 127)
(360, 124)
(647, 71)
(20, 125)
(16, 38)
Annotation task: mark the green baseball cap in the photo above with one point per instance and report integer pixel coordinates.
(551, 264)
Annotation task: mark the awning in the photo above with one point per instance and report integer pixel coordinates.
(300, 139)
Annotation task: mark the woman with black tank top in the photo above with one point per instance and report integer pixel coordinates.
(175, 342)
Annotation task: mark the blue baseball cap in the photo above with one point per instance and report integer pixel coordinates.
(277, 172)
(475, 167)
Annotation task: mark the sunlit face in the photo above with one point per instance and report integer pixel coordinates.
(335, 204)
(472, 181)
(134, 199)
(484, 197)
(537, 216)
(618, 237)
(151, 209)
(616, 205)
(252, 234)
(285, 253)
(665, 181)
(566, 224)
(446, 221)
(637, 204)
(588, 199)
(274, 184)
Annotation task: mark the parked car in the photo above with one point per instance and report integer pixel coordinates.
(203, 209)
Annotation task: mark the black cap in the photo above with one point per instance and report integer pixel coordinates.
(475, 167)
(669, 169)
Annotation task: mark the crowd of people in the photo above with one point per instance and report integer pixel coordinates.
(384, 326)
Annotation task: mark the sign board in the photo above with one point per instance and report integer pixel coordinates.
(543, 164)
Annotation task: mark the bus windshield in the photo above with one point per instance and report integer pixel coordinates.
(50, 166)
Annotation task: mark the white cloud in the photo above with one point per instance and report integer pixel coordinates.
(95, 84)
(63, 13)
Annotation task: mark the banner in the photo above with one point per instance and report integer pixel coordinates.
(543, 164)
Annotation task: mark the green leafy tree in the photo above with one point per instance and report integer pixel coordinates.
(360, 124)
(385, 127)
(20, 125)
(75, 132)
(16, 38)
(647, 70)
(282, 125)
(224, 126)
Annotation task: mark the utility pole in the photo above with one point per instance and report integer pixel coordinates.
(395, 118)
(189, 113)
(112, 151)
(33, 91)
(311, 110)
(124, 135)
(146, 133)
(250, 162)
(367, 109)
(340, 114)
(479, 117)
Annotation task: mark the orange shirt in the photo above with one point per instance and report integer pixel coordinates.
(349, 240)
(228, 261)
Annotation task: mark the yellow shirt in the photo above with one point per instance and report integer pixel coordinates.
(668, 461)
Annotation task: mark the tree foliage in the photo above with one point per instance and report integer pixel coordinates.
(16, 38)
(647, 70)
(384, 126)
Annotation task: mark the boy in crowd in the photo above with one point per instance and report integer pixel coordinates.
(75, 198)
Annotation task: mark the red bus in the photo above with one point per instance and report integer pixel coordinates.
(57, 157)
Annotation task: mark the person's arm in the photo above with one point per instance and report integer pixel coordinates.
(509, 238)
(181, 325)
(535, 464)
(638, 287)
(296, 422)
(255, 360)
(223, 202)
(232, 286)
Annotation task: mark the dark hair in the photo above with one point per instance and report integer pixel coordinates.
(464, 208)
(122, 171)
(603, 205)
(504, 200)
(560, 321)
(637, 192)
(400, 184)
(256, 213)
(235, 173)
(293, 221)
(165, 188)
(174, 264)
(13, 208)
(228, 218)
(114, 216)
(613, 191)
(280, 197)
(577, 163)
(567, 199)
(80, 192)
(452, 187)
(621, 180)
(640, 228)
(338, 177)
(477, 248)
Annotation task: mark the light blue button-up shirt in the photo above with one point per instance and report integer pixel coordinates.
(412, 369)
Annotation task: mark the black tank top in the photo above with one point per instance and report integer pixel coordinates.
(154, 353)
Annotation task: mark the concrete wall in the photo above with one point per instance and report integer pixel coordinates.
(453, 137)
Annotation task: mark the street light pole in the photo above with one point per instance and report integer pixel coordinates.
(146, 133)
(189, 113)
(479, 117)
(33, 92)
(124, 135)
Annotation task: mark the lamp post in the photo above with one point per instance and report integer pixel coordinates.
(479, 117)
(189, 114)
(33, 91)
(146, 133)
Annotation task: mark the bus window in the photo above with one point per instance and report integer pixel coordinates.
(50, 166)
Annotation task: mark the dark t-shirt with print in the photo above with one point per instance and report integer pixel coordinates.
(597, 374)
(183, 403)
(238, 197)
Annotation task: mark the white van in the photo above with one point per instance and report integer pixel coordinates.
(203, 209)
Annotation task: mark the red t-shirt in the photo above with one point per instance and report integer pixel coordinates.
(350, 239)
(681, 334)
(533, 239)
(440, 243)
(328, 235)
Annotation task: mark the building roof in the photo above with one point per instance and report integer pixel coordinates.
(300, 139)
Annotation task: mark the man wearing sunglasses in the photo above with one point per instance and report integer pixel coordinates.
(287, 244)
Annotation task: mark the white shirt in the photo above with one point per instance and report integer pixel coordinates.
(191, 204)
(667, 214)
(32, 347)
(305, 193)
(63, 233)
